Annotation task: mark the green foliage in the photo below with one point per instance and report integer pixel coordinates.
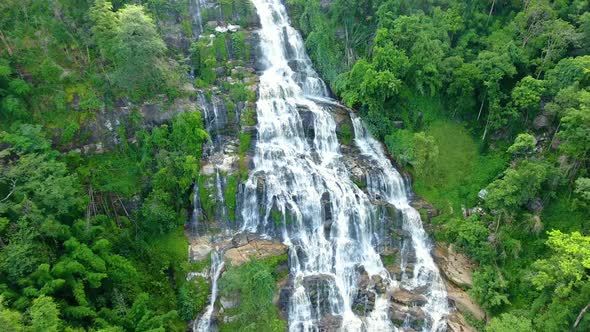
(425, 155)
(193, 298)
(345, 134)
(524, 144)
(568, 265)
(509, 323)
(489, 289)
(231, 195)
(128, 38)
(518, 185)
(44, 315)
(255, 285)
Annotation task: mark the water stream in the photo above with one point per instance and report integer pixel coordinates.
(203, 324)
(327, 221)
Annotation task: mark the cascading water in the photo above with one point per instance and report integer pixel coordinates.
(327, 221)
(386, 181)
(203, 324)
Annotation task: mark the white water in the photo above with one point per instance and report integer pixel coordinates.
(328, 223)
(203, 324)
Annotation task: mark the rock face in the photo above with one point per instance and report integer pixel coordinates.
(457, 323)
(258, 249)
(405, 297)
(463, 302)
(454, 266)
(456, 270)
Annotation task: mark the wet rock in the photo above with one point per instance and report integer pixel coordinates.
(330, 323)
(258, 249)
(406, 297)
(229, 302)
(364, 302)
(320, 292)
(326, 207)
(422, 205)
(401, 315)
(454, 266)
(307, 119)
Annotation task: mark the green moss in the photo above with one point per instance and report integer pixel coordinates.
(206, 196)
(247, 117)
(220, 46)
(276, 216)
(359, 183)
(388, 260)
(345, 134)
(230, 195)
(245, 141)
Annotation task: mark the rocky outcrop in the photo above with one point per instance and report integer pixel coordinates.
(456, 270)
(408, 298)
(457, 323)
(463, 302)
(455, 267)
(258, 249)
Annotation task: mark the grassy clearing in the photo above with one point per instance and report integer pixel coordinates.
(461, 170)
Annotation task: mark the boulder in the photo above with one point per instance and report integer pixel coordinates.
(408, 298)
(199, 248)
(258, 249)
(413, 316)
(454, 266)
(541, 121)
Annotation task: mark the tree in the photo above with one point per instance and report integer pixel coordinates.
(524, 144)
(582, 189)
(425, 155)
(510, 323)
(567, 267)
(10, 320)
(494, 67)
(518, 185)
(527, 94)
(575, 133)
(45, 315)
(489, 289)
(129, 39)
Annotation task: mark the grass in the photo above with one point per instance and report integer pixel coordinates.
(461, 171)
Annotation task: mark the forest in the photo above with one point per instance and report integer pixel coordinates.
(485, 103)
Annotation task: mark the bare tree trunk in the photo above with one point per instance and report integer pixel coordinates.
(485, 131)
(491, 9)
(582, 313)
(481, 106)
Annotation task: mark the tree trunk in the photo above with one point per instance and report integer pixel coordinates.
(481, 106)
(582, 313)
(485, 131)
(491, 9)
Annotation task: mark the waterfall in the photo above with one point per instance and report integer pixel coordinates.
(387, 182)
(328, 222)
(203, 324)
